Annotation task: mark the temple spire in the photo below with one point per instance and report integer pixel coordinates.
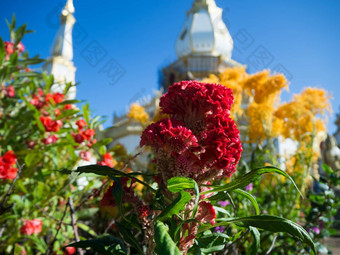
(204, 32)
(62, 45)
(60, 63)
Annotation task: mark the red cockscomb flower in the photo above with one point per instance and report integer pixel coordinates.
(191, 102)
(200, 140)
(169, 135)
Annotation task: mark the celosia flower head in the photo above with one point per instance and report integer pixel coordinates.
(199, 140)
(191, 101)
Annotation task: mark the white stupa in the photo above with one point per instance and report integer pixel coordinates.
(60, 63)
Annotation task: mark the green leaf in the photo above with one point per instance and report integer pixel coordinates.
(212, 242)
(118, 194)
(250, 197)
(99, 170)
(177, 184)
(176, 206)
(257, 237)
(107, 171)
(19, 34)
(129, 238)
(30, 61)
(107, 245)
(86, 113)
(86, 228)
(244, 180)
(327, 169)
(39, 243)
(270, 223)
(164, 244)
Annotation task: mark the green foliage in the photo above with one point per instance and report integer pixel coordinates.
(164, 244)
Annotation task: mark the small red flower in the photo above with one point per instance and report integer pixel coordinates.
(81, 124)
(88, 134)
(37, 102)
(107, 160)
(31, 226)
(20, 47)
(50, 139)
(56, 98)
(9, 91)
(7, 170)
(9, 158)
(9, 47)
(68, 107)
(70, 250)
(78, 138)
(50, 124)
(57, 112)
(85, 155)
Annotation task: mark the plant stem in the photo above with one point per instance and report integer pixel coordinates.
(74, 223)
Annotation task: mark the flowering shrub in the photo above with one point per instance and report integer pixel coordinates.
(37, 129)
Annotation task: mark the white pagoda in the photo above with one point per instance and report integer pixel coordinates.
(204, 45)
(60, 63)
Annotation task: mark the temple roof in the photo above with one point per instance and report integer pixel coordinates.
(204, 32)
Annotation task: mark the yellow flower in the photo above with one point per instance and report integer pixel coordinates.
(304, 115)
(138, 113)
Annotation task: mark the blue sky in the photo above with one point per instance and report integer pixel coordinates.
(301, 37)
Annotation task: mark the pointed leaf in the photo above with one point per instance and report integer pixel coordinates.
(244, 180)
(176, 206)
(164, 244)
(273, 224)
(256, 244)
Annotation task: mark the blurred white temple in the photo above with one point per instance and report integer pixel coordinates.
(204, 45)
(60, 63)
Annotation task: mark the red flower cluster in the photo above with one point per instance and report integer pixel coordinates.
(39, 100)
(84, 135)
(7, 170)
(9, 47)
(56, 98)
(50, 124)
(107, 160)
(200, 140)
(9, 91)
(31, 226)
(50, 139)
